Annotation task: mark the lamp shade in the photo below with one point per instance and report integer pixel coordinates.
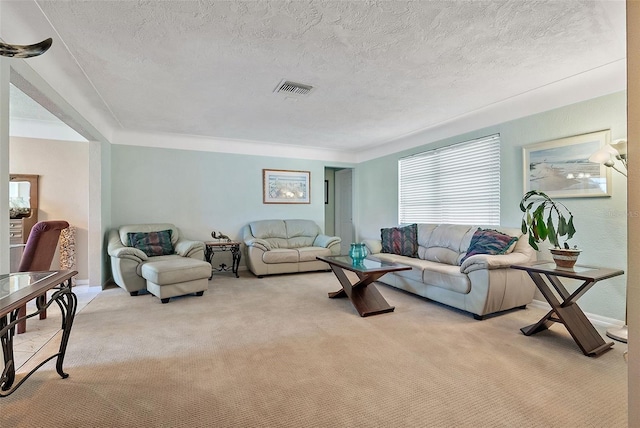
(606, 155)
(620, 146)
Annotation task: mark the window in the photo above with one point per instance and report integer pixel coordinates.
(458, 184)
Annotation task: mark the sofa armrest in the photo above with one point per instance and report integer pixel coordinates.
(326, 241)
(258, 243)
(116, 249)
(186, 247)
(373, 245)
(487, 261)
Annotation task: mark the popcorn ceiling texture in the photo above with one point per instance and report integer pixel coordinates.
(381, 69)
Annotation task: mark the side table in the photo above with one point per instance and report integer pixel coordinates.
(16, 290)
(563, 304)
(212, 247)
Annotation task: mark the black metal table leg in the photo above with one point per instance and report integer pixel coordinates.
(68, 302)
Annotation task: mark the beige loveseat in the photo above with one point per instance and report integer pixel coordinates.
(286, 246)
(482, 284)
(180, 270)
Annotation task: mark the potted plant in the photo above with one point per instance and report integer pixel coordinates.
(544, 219)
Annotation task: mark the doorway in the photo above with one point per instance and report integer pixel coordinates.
(343, 209)
(40, 143)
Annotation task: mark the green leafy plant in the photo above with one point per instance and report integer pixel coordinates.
(545, 218)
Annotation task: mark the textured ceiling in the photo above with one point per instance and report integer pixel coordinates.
(381, 69)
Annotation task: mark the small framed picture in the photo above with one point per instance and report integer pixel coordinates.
(561, 168)
(286, 187)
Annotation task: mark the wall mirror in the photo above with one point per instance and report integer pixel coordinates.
(23, 202)
(19, 199)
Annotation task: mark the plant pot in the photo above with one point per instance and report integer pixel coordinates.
(565, 259)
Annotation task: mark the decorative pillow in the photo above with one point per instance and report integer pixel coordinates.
(152, 243)
(488, 241)
(400, 240)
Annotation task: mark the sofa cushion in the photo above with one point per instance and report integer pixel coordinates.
(415, 273)
(298, 228)
(400, 240)
(154, 260)
(447, 244)
(309, 254)
(445, 276)
(265, 229)
(425, 230)
(175, 270)
(433, 273)
(152, 243)
(285, 233)
(280, 255)
(489, 241)
(301, 241)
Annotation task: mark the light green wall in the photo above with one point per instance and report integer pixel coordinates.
(600, 222)
(203, 191)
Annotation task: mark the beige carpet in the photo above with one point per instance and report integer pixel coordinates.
(276, 352)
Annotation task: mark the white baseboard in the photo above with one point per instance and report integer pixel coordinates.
(598, 320)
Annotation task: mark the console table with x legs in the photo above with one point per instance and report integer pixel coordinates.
(564, 308)
(16, 290)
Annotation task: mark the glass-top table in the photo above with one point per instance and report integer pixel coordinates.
(15, 282)
(364, 296)
(16, 290)
(564, 309)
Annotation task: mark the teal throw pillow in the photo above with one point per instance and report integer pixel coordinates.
(400, 240)
(488, 241)
(152, 243)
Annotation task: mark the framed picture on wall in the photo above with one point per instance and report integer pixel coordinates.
(561, 168)
(286, 187)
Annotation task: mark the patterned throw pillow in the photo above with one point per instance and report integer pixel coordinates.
(400, 240)
(488, 241)
(152, 243)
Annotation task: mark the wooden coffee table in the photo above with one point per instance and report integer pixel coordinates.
(364, 296)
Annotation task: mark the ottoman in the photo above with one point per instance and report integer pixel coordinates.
(176, 277)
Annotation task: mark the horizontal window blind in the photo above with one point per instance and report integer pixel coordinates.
(457, 184)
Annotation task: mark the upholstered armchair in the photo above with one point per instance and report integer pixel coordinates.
(127, 260)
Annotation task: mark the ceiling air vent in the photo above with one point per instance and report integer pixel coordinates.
(288, 88)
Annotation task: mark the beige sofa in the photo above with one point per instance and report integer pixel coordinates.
(286, 246)
(181, 271)
(482, 284)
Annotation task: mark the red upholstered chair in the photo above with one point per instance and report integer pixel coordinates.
(38, 254)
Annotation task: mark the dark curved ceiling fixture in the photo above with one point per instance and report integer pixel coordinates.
(25, 51)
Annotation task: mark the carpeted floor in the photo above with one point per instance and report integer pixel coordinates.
(276, 352)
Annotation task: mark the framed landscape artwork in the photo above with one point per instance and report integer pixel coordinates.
(286, 187)
(561, 168)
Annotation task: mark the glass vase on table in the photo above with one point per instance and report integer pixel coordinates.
(358, 252)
